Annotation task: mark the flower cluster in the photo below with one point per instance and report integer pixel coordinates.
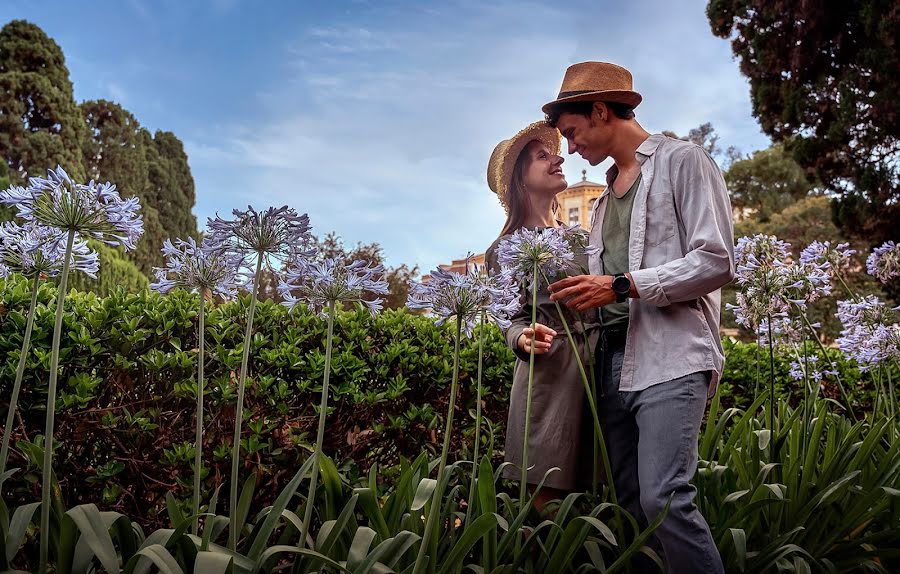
(871, 334)
(884, 262)
(833, 259)
(773, 283)
(332, 280)
(465, 296)
(276, 233)
(551, 250)
(200, 267)
(93, 210)
(809, 367)
(40, 250)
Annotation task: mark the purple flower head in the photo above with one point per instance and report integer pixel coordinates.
(278, 234)
(834, 259)
(786, 330)
(200, 267)
(871, 334)
(548, 249)
(884, 262)
(772, 283)
(36, 249)
(320, 283)
(465, 296)
(93, 210)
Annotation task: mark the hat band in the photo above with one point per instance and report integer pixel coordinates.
(574, 93)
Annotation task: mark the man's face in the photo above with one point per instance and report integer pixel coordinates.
(586, 136)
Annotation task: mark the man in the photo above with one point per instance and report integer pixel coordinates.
(666, 248)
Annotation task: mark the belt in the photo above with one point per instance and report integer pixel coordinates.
(613, 335)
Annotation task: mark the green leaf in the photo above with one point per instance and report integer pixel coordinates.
(213, 563)
(17, 526)
(156, 555)
(262, 533)
(96, 535)
(479, 527)
(359, 548)
(423, 494)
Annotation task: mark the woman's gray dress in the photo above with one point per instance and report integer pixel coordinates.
(561, 427)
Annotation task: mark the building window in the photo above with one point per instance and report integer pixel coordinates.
(574, 217)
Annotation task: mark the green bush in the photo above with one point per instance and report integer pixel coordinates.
(126, 400)
(127, 379)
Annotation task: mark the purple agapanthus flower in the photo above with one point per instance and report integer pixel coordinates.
(884, 262)
(93, 210)
(549, 249)
(834, 259)
(276, 234)
(466, 296)
(772, 283)
(871, 334)
(809, 367)
(37, 249)
(333, 281)
(192, 266)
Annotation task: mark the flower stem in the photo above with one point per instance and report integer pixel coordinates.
(831, 363)
(47, 468)
(320, 434)
(523, 486)
(772, 440)
(198, 435)
(239, 411)
(434, 511)
(472, 496)
(20, 372)
(598, 431)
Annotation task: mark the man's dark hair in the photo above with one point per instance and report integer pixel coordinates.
(621, 111)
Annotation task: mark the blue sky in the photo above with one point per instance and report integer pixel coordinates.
(378, 117)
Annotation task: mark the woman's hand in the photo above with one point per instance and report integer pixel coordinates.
(542, 340)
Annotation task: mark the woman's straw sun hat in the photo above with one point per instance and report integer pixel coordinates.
(503, 159)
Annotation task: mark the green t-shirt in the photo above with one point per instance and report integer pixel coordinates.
(616, 232)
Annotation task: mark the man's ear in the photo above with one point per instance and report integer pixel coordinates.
(600, 113)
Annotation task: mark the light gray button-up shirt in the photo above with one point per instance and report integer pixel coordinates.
(681, 252)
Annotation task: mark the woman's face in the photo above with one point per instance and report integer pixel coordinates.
(543, 173)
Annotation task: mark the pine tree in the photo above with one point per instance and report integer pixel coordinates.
(40, 125)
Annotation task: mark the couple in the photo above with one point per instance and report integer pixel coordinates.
(649, 302)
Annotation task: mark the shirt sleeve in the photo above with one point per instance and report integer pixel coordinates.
(704, 211)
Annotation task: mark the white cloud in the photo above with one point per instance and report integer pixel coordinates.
(382, 132)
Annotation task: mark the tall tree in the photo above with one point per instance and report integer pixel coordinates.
(40, 125)
(706, 137)
(766, 183)
(823, 80)
(113, 150)
(170, 185)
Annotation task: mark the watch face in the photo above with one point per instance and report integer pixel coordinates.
(621, 284)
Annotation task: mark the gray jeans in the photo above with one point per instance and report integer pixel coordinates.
(652, 441)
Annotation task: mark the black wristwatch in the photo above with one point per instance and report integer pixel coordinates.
(621, 286)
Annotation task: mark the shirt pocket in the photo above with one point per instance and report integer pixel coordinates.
(660, 218)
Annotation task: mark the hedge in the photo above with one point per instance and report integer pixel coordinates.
(124, 424)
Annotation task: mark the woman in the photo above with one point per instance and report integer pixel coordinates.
(525, 172)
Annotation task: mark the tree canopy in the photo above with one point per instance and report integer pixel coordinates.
(823, 80)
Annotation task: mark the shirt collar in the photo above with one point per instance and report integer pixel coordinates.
(645, 150)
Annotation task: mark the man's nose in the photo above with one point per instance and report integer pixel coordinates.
(571, 146)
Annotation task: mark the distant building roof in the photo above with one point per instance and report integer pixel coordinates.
(584, 182)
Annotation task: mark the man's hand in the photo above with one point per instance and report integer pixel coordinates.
(584, 292)
(542, 340)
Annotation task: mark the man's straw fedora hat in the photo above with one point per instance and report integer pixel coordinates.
(503, 160)
(596, 82)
